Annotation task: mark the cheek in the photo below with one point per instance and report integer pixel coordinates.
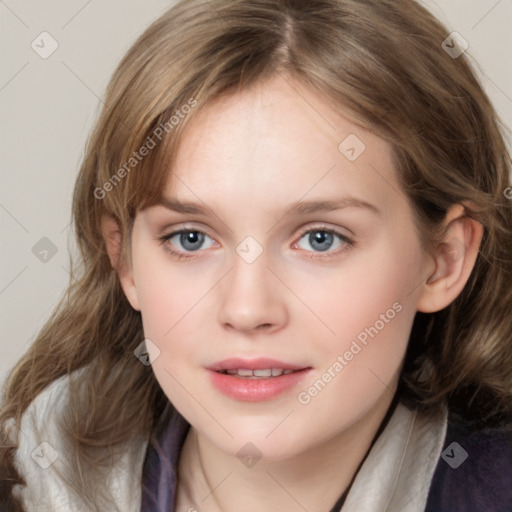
(367, 312)
(355, 297)
(170, 304)
(358, 366)
(167, 292)
(176, 304)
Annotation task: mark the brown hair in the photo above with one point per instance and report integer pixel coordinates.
(380, 60)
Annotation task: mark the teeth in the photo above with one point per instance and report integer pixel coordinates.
(258, 374)
(262, 373)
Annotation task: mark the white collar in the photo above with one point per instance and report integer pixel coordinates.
(397, 473)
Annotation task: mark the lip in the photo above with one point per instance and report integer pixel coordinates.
(255, 390)
(260, 363)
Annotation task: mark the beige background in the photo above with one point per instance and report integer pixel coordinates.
(47, 107)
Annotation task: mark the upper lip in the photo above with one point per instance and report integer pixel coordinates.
(262, 363)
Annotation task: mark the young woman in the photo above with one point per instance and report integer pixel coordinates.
(295, 281)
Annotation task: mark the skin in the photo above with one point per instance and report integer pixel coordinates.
(248, 157)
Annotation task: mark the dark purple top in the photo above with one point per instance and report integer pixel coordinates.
(483, 483)
(161, 463)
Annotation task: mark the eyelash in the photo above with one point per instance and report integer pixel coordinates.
(347, 243)
(180, 255)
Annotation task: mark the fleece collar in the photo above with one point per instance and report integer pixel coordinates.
(397, 473)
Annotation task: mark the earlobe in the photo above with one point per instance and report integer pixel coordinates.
(113, 242)
(454, 260)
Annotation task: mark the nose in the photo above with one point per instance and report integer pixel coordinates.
(252, 300)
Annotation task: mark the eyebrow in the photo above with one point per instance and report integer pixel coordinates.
(298, 208)
(306, 207)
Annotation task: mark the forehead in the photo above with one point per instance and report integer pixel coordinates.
(276, 143)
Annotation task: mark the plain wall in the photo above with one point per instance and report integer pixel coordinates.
(48, 107)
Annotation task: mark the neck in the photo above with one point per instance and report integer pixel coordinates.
(211, 480)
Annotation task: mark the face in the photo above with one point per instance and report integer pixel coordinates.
(278, 278)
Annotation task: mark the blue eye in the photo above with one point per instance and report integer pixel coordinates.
(189, 241)
(322, 240)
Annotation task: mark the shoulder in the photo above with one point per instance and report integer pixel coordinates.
(44, 459)
(38, 416)
(474, 472)
(38, 447)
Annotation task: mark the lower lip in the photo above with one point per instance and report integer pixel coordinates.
(255, 390)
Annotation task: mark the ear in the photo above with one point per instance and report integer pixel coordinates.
(112, 236)
(454, 260)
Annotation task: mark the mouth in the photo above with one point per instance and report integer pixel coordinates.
(255, 380)
(265, 364)
(245, 373)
